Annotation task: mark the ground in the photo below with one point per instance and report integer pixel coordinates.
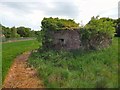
(93, 69)
(22, 76)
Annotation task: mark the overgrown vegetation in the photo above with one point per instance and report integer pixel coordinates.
(98, 26)
(58, 24)
(117, 27)
(54, 24)
(13, 49)
(78, 69)
(98, 33)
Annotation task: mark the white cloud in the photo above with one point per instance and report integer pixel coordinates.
(30, 12)
(104, 8)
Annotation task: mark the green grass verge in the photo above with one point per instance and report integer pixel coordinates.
(13, 49)
(77, 69)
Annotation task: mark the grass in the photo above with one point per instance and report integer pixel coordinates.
(77, 69)
(13, 49)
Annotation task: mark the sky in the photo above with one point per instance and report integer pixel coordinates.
(31, 12)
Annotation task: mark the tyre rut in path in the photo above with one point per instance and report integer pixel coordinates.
(22, 76)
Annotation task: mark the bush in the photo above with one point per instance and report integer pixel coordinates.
(100, 26)
(97, 33)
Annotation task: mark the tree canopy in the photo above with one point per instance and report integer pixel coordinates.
(14, 32)
(23, 31)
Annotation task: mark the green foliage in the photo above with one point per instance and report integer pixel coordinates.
(118, 27)
(98, 33)
(6, 31)
(39, 36)
(23, 32)
(32, 33)
(13, 49)
(102, 25)
(14, 33)
(17, 32)
(10, 32)
(99, 30)
(57, 24)
(88, 69)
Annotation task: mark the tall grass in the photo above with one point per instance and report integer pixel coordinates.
(11, 50)
(77, 69)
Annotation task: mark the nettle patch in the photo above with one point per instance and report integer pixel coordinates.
(67, 35)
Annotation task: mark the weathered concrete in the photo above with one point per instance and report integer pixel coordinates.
(66, 39)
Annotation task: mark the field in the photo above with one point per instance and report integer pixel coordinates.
(13, 49)
(77, 69)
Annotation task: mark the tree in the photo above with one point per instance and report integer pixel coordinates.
(6, 31)
(14, 33)
(24, 32)
(32, 33)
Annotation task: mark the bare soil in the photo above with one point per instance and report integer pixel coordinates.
(22, 76)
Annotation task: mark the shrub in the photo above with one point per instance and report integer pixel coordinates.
(101, 25)
(97, 33)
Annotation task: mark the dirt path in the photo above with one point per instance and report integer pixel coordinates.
(22, 76)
